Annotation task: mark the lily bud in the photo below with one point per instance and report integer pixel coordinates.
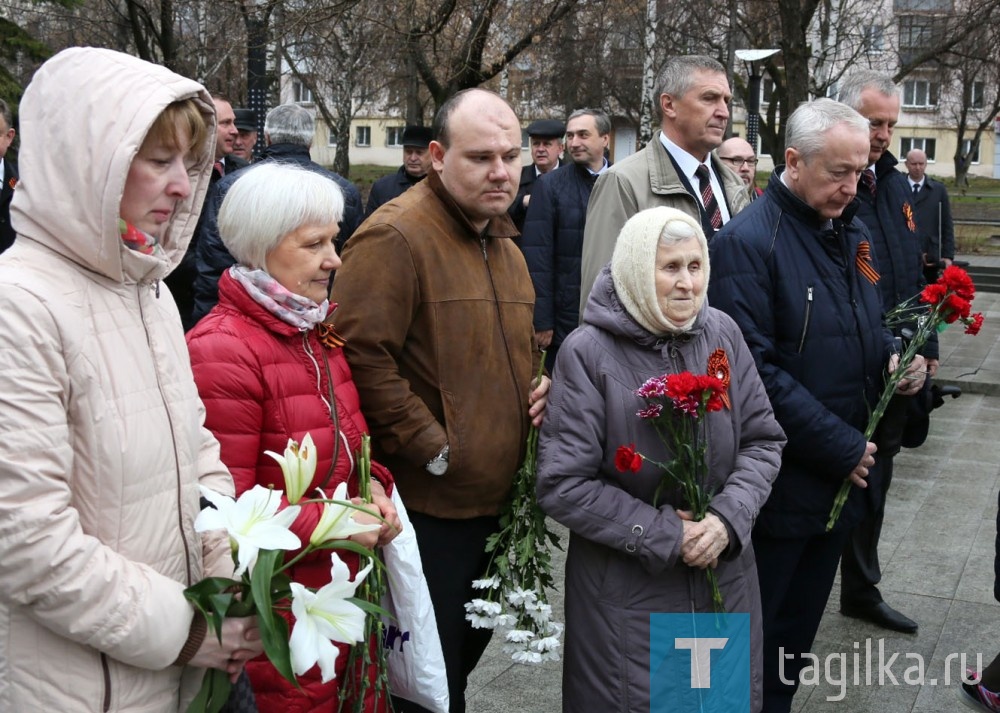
(298, 465)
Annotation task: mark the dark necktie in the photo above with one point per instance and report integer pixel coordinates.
(708, 197)
(916, 188)
(868, 181)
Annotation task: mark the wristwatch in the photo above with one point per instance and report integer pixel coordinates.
(438, 465)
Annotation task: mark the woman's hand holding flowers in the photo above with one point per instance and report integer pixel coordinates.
(703, 541)
(391, 525)
(240, 642)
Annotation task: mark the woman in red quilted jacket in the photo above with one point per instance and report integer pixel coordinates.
(269, 368)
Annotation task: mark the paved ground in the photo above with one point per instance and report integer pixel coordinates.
(937, 557)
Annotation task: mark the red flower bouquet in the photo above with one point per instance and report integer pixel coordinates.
(676, 408)
(942, 303)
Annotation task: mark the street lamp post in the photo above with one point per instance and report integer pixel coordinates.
(257, 72)
(753, 59)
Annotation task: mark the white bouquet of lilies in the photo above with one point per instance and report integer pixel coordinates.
(259, 535)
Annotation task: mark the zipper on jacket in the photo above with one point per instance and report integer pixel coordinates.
(805, 325)
(503, 334)
(189, 576)
(332, 406)
(106, 670)
(156, 288)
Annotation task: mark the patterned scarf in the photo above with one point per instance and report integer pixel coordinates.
(300, 312)
(137, 240)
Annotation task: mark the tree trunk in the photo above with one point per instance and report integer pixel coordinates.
(648, 100)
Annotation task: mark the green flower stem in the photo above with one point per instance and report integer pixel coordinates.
(925, 327)
(372, 590)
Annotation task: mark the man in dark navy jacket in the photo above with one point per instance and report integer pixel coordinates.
(552, 239)
(545, 137)
(795, 272)
(416, 164)
(288, 132)
(885, 206)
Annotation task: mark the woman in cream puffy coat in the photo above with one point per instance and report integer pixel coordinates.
(102, 446)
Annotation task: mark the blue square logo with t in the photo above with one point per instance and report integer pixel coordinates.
(699, 663)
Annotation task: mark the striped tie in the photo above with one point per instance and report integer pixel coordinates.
(864, 262)
(708, 197)
(868, 181)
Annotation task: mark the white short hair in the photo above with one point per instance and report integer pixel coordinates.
(269, 201)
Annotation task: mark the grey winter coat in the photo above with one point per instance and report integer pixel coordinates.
(624, 558)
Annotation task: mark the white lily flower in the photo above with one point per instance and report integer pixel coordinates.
(337, 521)
(252, 521)
(298, 465)
(323, 617)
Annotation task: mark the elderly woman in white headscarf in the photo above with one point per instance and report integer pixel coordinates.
(628, 558)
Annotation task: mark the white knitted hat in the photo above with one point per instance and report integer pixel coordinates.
(633, 264)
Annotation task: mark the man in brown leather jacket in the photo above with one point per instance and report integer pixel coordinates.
(436, 309)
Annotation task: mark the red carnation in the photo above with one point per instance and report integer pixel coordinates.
(958, 281)
(933, 294)
(626, 458)
(681, 386)
(975, 324)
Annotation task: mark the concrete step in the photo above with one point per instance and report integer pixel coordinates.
(986, 278)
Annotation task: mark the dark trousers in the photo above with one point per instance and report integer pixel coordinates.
(796, 576)
(860, 572)
(453, 554)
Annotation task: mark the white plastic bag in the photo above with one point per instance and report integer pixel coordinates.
(416, 664)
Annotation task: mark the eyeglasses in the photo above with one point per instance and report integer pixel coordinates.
(737, 162)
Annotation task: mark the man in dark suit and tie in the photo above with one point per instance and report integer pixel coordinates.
(932, 211)
(9, 172)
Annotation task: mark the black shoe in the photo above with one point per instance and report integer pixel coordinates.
(881, 614)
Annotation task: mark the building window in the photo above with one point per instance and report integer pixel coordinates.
(525, 140)
(331, 138)
(394, 137)
(874, 38)
(363, 136)
(920, 94)
(977, 95)
(966, 145)
(918, 32)
(766, 90)
(928, 146)
(301, 93)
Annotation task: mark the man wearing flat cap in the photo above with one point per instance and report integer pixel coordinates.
(416, 163)
(246, 125)
(546, 137)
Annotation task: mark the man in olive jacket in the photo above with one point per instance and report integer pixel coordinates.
(692, 101)
(436, 309)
